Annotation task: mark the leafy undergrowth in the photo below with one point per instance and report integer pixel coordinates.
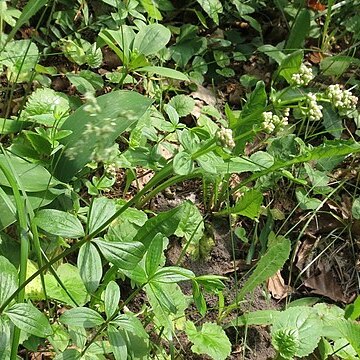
(179, 179)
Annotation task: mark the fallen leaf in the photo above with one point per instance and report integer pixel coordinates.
(316, 57)
(276, 286)
(325, 284)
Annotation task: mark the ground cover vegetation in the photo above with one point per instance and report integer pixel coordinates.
(179, 179)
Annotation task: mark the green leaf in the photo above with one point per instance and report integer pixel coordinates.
(299, 31)
(5, 345)
(151, 39)
(117, 343)
(118, 111)
(165, 300)
(165, 72)
(259, 317)
(210, 340)
(90, 266)
(36, 200)
(8, 279)
(20, 58)
(152, 8)
(213, 8)
(248, 205)
(102, 209)
(30, 9)
(337, 65)
(306, 202)
(124, 255)
(81, 316)
(165, 223)
(10, 126)
(33, 177)
(111, 298)
(130, 323)
(68, 354)
(332, 121)
(154, 255)
(250, 115)
(291, 65)
(172, 274)
(272, 52)
(296, 332)
(28, 318)
(70, 278)
(273, 260)
(183, 163)
(43, 105)
(191, 225)
(183, 104)
(187, 45)
(351, 332)
(59, 223)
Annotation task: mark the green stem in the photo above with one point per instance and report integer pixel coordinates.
(24, 243)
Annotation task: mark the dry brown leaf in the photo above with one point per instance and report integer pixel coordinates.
(325, 284)
(276, 286)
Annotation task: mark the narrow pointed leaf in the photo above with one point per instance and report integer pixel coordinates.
(90, 266)
(111, 298)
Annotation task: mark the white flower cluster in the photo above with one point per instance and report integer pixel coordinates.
(225, 137)
(273, 121)
(343, 100)
(303, 77)
(313, 110)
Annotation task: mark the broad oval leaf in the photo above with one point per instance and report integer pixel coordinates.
(82, 316)
(59, 223)
(124, 255)
(151, 39)
(102, 209)
(90, 266)
(28, 318)
(183, 163)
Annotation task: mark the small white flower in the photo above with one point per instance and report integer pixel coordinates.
(312, 109)
(303, 77)
(225, 137)
(273, 122)
(343, 100)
